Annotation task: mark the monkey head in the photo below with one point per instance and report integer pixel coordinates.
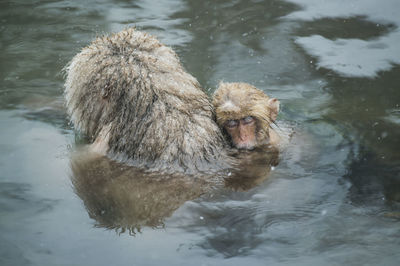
(245, 114)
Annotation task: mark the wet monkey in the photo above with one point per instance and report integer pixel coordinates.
(246, 114)
(131, 96)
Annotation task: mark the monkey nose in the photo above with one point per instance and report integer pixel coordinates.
(243, 136)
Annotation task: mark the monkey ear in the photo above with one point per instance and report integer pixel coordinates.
(273, 104)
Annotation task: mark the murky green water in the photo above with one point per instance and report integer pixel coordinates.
(334, 199)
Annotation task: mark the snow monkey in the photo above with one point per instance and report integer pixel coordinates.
(134, 101)
(246, 113)
(129, 94)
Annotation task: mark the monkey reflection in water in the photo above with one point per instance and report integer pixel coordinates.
(130, 96)
(127, 198)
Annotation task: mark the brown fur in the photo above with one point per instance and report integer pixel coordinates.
(130, 95)
(234, 101)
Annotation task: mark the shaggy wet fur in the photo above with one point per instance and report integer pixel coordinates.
(130, 95)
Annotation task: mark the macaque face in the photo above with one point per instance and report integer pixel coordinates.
(242, 132)
(245, 114)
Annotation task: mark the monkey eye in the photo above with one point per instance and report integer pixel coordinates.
(248, 119)
(232, 123)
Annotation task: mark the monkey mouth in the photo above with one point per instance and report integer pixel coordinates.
(245, 145)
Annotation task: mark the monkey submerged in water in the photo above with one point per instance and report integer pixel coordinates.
(246, 114)
(131, 97)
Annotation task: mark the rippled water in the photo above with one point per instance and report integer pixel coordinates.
(332, 200)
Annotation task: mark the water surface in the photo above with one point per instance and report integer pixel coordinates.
(332, 200)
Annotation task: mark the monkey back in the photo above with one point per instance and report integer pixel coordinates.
(155, 113)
